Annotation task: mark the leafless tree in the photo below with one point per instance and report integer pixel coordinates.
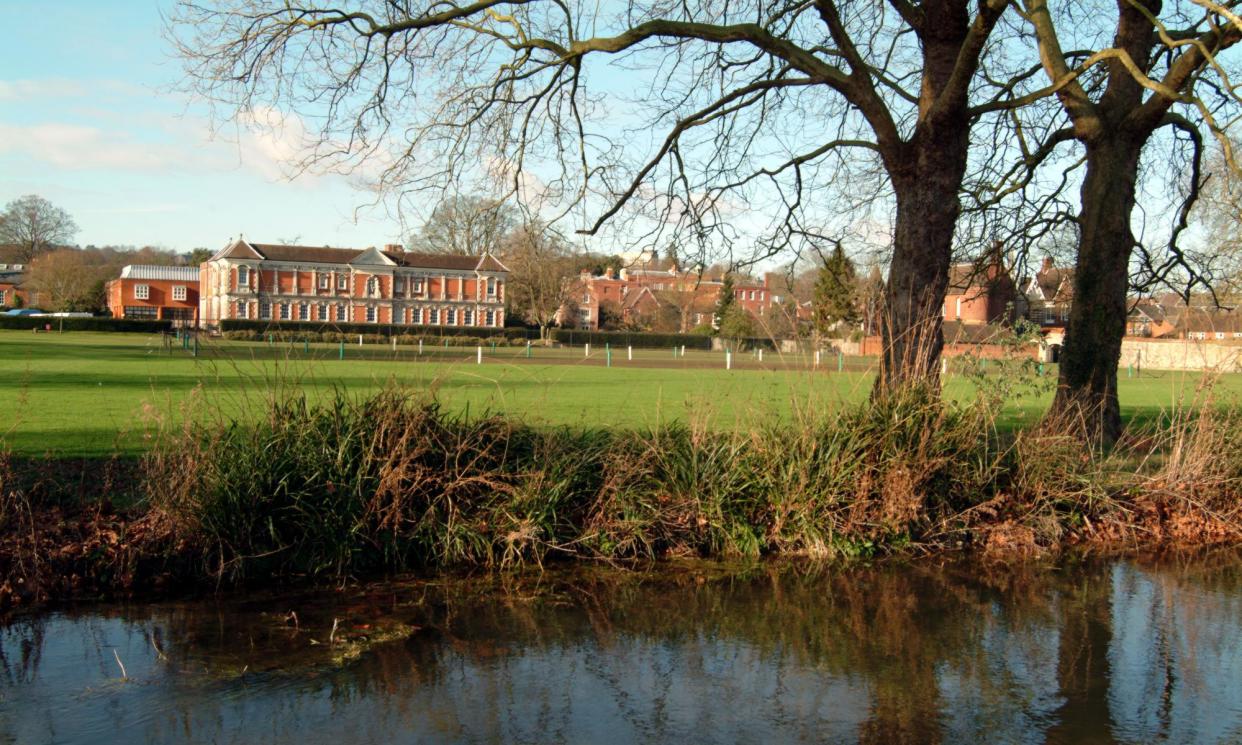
(540, 283)
(67, 279)
(1150, 69)
(465, 226)
(34, 225)
(713, 126)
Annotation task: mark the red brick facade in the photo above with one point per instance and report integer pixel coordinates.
(155, 293)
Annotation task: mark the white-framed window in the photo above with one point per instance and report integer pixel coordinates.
(489, 318)
(467, 317)
(450, 316)
(243, 276)
(398, 285)
(586, 297)
(243, 309)
(373, 287)
(491, 287)
(342, 281)
(435, 317)
(303, 312)
(324, 281)
(370, 314)
(751, 295)
(340, 312)
(179, 292)
(1220, 334)
(265, 310)
(416, 286)
(322, 312)
(284, 311)
(142, 292)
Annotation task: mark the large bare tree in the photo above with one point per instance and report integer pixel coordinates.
(34, 225)
(540, 266)
(1155, 69)
(710, 125)
(465, 225)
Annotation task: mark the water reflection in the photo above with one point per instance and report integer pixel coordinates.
(1096, 652)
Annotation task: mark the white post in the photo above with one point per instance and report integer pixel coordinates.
(817, 358)
(683, 350)
(944, 366)
(420, 347)
(588, 350)
(359, 339)
(761, 354)
(479, 355)
(629, 353)
(394, 344)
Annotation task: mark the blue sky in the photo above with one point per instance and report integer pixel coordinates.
(89, 121)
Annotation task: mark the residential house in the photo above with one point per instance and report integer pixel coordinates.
(1209, 324)
(1048, 295)
(279, 283)
(12, 292)
(155, 293)
(1149, 319)
(979, 294)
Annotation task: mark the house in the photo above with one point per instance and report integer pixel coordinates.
(979, 294)
(12, 292)
(279, 283)
(1048, 295)
(155, 293)
(1149, 319)
(1209, 324)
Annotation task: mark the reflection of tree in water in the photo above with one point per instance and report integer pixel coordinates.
(933, 653)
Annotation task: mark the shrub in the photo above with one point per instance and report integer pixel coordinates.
(98, 323)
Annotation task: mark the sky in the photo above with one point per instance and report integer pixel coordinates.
(89, 121)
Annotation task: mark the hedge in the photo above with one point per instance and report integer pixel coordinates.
(641, 340)
(97, 323)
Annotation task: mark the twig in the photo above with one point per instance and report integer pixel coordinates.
(124, 675)
(332, 636)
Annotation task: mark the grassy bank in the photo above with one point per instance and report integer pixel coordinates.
(353, 485)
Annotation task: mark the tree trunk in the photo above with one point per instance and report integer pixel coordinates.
(1086, 398)
(927, 212)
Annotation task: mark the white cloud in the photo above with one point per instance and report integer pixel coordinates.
(76, 147)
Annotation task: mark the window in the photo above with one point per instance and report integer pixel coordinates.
(751, 295)
(1220, 334)
(340, 312)
(323, 281)
(435, 317)
(265, 310)
(243, 276)
(243, 309)
(179, 292)
(141, 312)
(142, 292)
(489, 318)
(303, 312)
(370, 314)
(467, 317)
(491, 287)
(398, 285)
(284, 311)
(342, 281)
(450, 316)
(373, 287)
(416, 286)
(586, 297)
(322, 312)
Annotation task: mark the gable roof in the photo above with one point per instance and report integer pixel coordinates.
(242, 249)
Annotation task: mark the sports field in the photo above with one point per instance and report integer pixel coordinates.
(94, 394)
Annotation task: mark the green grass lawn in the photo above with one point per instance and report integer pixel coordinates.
(97, 393)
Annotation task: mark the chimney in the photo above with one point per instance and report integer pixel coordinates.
(608, 273)
(394, 248)
(1047, 265)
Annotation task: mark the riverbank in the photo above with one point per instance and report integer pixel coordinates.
(355, 487)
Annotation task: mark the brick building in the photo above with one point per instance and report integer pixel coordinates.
(979, 295)
(12, 293)
(1048, 295)
(277, 283)
(155, 293)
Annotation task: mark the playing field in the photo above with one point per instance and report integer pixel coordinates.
(95, 394)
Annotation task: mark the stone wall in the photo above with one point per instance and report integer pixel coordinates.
(1181, 354)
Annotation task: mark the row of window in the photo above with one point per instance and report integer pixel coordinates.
(143, 292)
(1203, 335)
(340, 313)
(142, 312)
(373, 284)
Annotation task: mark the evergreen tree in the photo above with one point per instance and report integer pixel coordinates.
(836, 294)
(725, 302)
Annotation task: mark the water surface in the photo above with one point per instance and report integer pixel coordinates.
(1093, 652)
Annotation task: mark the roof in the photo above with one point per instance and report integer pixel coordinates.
(1195, 319)
(329, 255)
(172, 273)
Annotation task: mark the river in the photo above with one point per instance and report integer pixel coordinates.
(1084, 651)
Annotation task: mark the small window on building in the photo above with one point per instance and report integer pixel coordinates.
(450, 317)
(370, 314)
(435, 317)
(416, 286)
(324, 281)
(303, 312)
(1220, 334)
(586, 297)
(179, 292)
(398, 285)
(284, 311)
(467, 317)
(243, 309)
(752, 295)
(141, 312)
(142, 292)
(373, 287)
(265, 310)
(340, 312)
(322, 312)
(491, 287)
(489, 318)
(243, 276)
